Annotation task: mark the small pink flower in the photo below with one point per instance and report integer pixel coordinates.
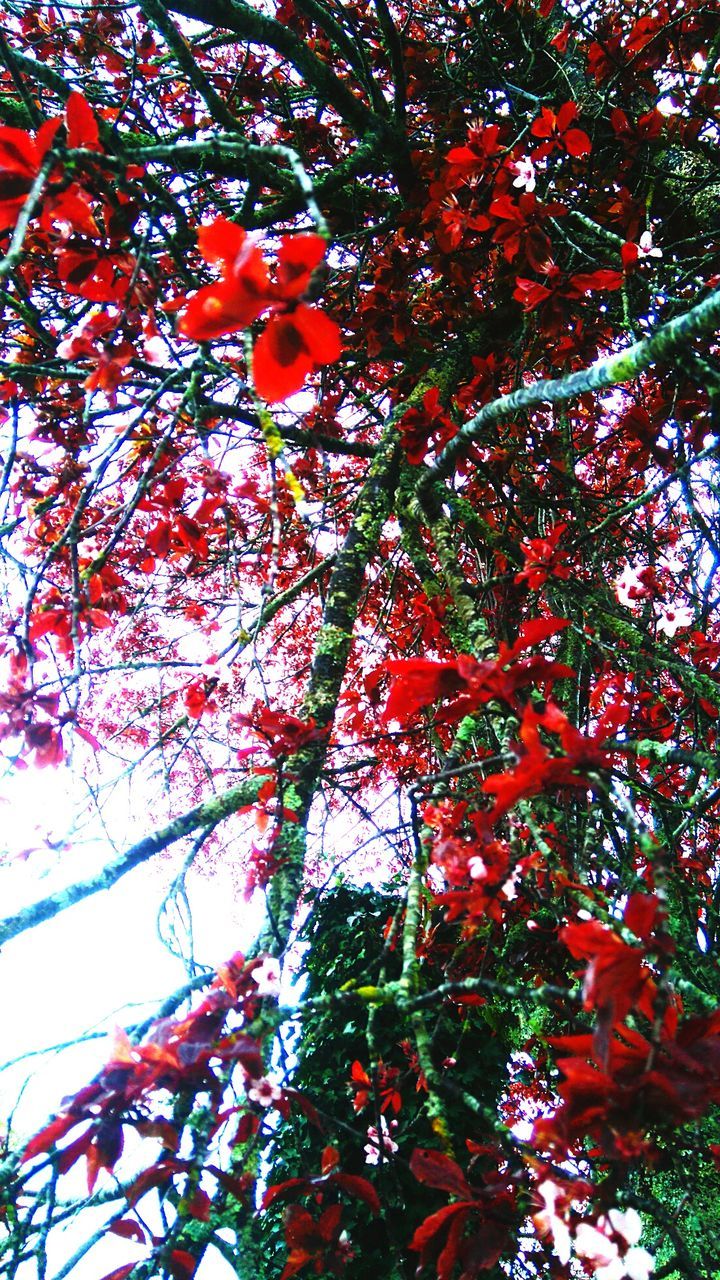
(267, 976)
(381, 1141)
(525, 171)
(264, 1092)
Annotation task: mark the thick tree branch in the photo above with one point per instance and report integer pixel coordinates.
(235, 15)
(610, 371)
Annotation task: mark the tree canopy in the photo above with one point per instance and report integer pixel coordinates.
(360, 399)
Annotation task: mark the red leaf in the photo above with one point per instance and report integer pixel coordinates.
(533, 632)
(182, 1264)
(155, 1176)
(432, 1225)
(70, 1154)
(82, 130)
(329, 1159)
(439, 1171)
(128, 1229)
(18, 153)
(358, 1187)
(449, 1254)
(241, 295)
(640, 913)
(283, 1189)
(594, 281)
(200, 1206)
(577, 143)
(220, 309)
(48, 1136)
(121, 1272)
(418, 682)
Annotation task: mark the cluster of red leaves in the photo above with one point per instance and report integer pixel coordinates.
(284, 734)
(30, 716)
(22, 155)
(384, 1087)
(644, 1083)
(54, 616)
(198, 696)
(176, 533)
(34, 718)
(298, 336)
(483, 858)
(416, 682)
(177, 1057)
(559, 132)
(475, 196)
(419, 427)
(96, 341)
(544, 559)
(618, 977)
(532, 294)
(474, 1230)
(320, 1241)
(91, 262)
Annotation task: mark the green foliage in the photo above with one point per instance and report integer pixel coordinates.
(350, 936)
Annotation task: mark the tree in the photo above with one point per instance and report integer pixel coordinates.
(360, 396)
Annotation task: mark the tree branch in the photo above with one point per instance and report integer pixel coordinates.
(208, 814)
(610, 371)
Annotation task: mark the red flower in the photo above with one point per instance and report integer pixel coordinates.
(241, 295)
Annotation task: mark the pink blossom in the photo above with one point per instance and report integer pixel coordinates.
(264, 1092)
(380, 1142)
(267, 976)
(525, 170)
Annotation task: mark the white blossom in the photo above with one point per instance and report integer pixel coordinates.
(646, 248)
(627, 1224)
(674, 617)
